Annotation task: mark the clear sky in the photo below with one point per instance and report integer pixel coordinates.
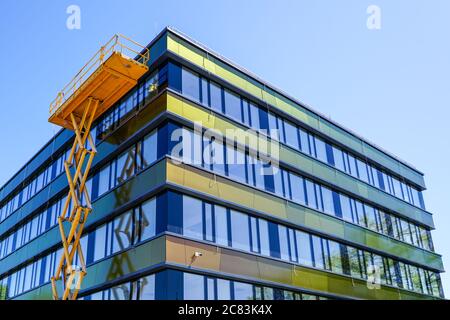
(390, 85)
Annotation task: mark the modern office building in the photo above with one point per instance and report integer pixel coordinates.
(336, 217)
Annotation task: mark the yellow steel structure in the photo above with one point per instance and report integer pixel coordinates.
(97, 86)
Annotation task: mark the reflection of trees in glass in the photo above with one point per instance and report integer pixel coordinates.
(335, 256)
(415, 278)
(3, 292)
(121, 292)
(355, 260)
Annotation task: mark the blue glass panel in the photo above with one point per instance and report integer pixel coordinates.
(190, 84)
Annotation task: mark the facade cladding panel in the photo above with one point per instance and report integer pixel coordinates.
(338, 218)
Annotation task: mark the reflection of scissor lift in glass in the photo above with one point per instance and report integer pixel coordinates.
(98, 85)
(123, 226)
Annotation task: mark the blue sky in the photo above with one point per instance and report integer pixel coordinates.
(389, 85)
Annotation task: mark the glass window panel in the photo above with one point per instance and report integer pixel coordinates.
(291, 135)
(318, 252)
(221, 225)
(188, 148)
(311, 194)
(254, 234)
(240, 231)
(205, 85)
(292, 245)
(304, 143)
(125, 166)
(268, 293)
(208, 222)
(147, 288)
(396, 228)
(397, 187)
(321, 150)
(284, 244)
(362, 170)
(148, 219)
(259, 175)
(243, 291)
(216, 97)
(192, 218)
(278, 183)
(250, 169)
(281, 129)
(415, 279)
(217, 156)
(264, 237)
(233, 105)
(99, 243)
(404, 192)
(236, 163)
(328, 203)
(415, 196)
(210, 289)
(360, 216)
(190, 84)
(352, 164)
(335, 256)
(385, 220)
(194, 287)
(34, 227)
(120, 292)
(338, 159)
(149, 152)
(103, 180)
(273, 126)
(246, 113)
(355, 260)
(405, 231)
(371, 217)
(297, 188)
(223, 289)
(375, 179)
(346, 208)
(254, 116)
(122, 232)
(424, 238)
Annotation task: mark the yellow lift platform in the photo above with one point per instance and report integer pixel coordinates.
(105, 78)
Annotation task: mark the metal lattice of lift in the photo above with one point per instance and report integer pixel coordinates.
(105, 78)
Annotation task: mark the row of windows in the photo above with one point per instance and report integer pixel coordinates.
(217, 224)
(46, 175)
(138, 97)
(244, 167)
(189, 286)
(119, 234)
(245, 112)
(39, 224)
(118, 170)
(205, 221)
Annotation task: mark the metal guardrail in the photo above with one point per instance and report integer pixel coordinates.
(118, 43)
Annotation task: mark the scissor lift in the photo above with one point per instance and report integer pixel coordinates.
(105, 78)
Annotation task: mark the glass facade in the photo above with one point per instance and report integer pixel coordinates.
(130, 144)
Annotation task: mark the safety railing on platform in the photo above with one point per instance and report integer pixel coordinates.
(118, 43)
